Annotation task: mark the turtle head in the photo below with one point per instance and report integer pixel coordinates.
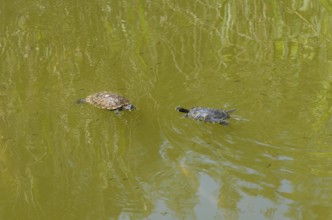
(129, 107)
(180, 109)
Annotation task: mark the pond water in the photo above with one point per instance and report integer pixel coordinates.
(269, 60)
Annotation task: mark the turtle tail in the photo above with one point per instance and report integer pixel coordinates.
(230, 111)
(180, 109)
(79, 101)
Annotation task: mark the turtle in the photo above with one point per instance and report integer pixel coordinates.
(207, 114)
(108, 100)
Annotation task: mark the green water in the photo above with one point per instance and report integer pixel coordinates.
(270, 60)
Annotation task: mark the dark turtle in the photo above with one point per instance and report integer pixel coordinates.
(207, 114)
(109, 101)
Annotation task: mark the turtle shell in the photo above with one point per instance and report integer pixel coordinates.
(108, 100)
(207, 114)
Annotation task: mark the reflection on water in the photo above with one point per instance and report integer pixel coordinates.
(268, 60)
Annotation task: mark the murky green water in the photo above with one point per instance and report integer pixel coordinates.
(270, 60)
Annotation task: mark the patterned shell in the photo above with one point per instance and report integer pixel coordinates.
(107, 100)
(208, 114)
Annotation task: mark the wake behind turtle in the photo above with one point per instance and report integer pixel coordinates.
(108, 100)
(207, 114)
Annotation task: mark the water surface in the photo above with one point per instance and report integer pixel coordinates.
(269, 60)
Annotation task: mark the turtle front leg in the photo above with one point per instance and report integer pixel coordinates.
(224, 123)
